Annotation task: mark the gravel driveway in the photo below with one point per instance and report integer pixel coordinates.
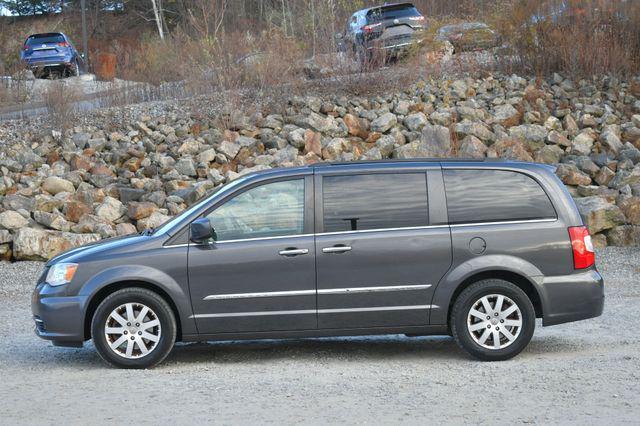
(586, 372)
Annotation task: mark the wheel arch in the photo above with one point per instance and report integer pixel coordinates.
(107, 290)
(517, 279)
(506, 267)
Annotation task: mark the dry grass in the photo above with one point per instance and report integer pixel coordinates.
(60, 100)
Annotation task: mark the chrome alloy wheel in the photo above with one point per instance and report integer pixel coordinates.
(494, 321)
(132, 330)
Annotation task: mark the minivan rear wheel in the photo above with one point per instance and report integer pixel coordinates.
(133, 328)
(492, 320)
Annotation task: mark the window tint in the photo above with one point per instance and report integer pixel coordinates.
(392, 12)
(375, 201)
(494, 195)
(46, 38)
(270, 210)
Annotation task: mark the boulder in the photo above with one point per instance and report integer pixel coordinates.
(437, 140)
(472, 147)
(416, 121)
(384, 123)
(631, 209)
(37, 244)
(598, 214)
(12, 220)
(111, 209)
(506, 115)
(533, 135)
(140, 210)
(570, 175)
(155, 220)
(54, 185)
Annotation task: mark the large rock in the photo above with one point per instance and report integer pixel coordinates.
(384, 123)
(570, 175)
(473, 128)
(533, 135)
(506, 115)
(12, 220)
(631, 209)
(140, 210)
(437, 140)
(54, 185)
(37, 244)
(598, 214)
(155, 220)
(111, 209)
(624, 235)
(472, 147)
(415, 122)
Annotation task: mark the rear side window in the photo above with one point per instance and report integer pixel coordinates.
(375, 201)
(493, 196)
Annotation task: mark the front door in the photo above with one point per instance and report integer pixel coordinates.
(259, 274)
(378, 257)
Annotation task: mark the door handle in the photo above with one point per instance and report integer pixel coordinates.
(293, 252)
(336, 249)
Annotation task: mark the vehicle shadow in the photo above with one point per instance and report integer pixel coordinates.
(350, 349)
(338, 348)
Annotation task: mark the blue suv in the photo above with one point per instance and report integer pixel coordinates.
(51, 53)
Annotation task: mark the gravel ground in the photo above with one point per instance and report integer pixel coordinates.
(580, 373)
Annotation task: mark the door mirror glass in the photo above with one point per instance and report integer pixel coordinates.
(201, 230)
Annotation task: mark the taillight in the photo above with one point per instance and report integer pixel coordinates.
(583, 253)
(368, 29)
(25, 47)
(63, 44)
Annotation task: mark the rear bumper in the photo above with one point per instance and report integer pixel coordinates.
(57, 317)
(395, 46)
(575, 297)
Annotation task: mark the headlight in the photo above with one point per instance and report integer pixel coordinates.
(61, 273)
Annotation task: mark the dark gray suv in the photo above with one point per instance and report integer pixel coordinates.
(475, 249)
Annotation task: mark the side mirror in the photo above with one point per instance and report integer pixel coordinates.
(339, 36)
(201, 231)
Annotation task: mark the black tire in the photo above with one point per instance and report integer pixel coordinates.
(158, 306)
(74, 71)
(461, 316)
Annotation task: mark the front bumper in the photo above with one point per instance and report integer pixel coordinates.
(575, 297)
(58, 317)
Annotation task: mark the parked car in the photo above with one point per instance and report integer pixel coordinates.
(392, 28)
(468, 36)
(51, 53)
(474, 249)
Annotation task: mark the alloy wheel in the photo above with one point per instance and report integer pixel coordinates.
(132, 330)
(494, 321)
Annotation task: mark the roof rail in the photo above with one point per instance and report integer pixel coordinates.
(408, 160)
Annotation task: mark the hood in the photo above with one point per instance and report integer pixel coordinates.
(80, 253)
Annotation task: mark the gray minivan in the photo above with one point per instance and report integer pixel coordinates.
(473, 249)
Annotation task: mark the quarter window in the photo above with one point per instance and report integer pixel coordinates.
(493, 196)
(269, 210)
(374, 201)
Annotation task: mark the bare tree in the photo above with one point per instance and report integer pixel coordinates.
(158, 14)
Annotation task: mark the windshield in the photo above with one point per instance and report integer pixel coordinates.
(172, 224)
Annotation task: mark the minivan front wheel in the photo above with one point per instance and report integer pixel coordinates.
(493, 320)
(133, 328)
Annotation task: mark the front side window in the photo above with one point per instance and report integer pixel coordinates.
(493, 196)
(375, 201)
(270, 210)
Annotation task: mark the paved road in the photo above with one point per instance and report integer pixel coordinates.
(586, 372)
